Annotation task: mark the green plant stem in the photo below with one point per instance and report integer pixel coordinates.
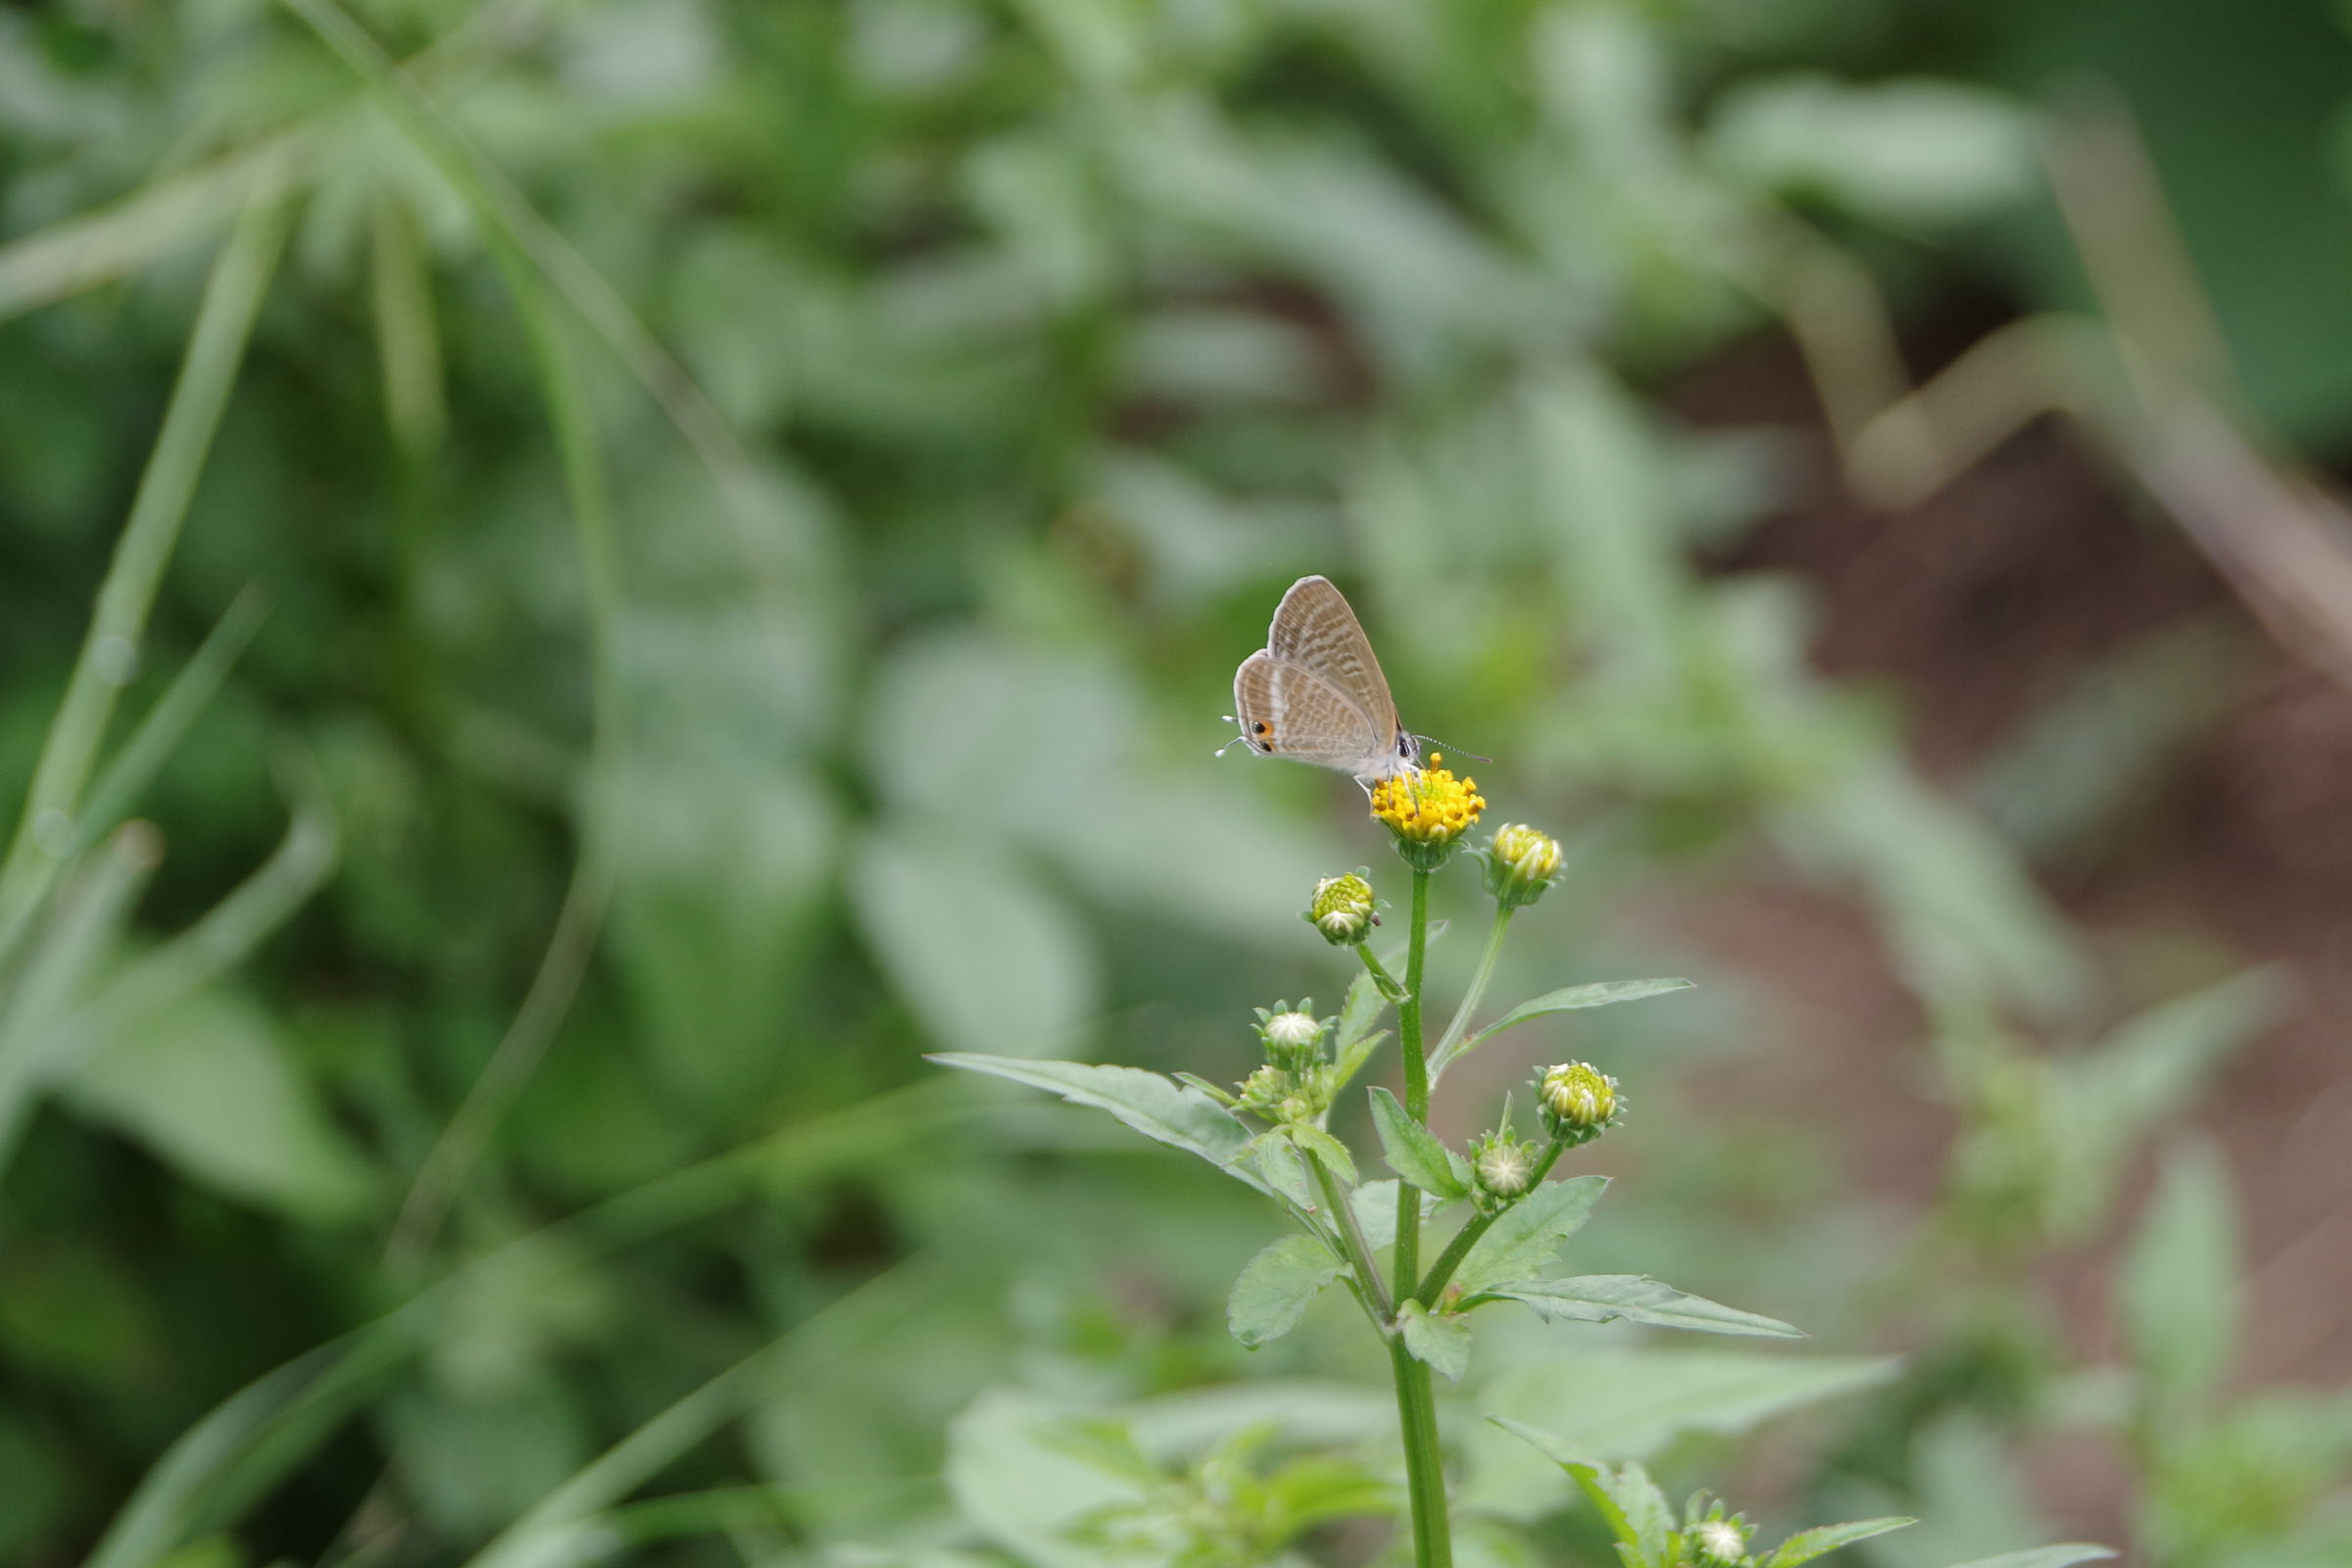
(1381, 977)
(1375, 1294)
(232, 298)
(1416, 1399)
(1416, 1083)
(1424, 1466)
(1442, 1271)
(1449, 1043)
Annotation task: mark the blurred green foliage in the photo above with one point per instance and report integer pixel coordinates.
(843, 687)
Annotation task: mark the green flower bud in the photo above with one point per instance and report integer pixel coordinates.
(1580, 1100)
(1503, 1166)
(1292, 1038)
(1342, 909)
(1264, 1091)
(1520, 862)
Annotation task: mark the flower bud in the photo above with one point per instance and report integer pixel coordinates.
(1580, 1100)
(1342, 909)
(1292, 1038)
(1503, 1166)
(1720, 1542)
(1520, 862)
(1428, 809)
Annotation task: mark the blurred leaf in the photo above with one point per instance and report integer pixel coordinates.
(1440, 1339)
(2143, 1074)
(1631, 1403)
(2178, 1284)
(1375, 1206)
(1530, 1234)
(2063, 1556)
(1637, 1298)
(1276, 1287)
(1807, 1544)
(1906, 154)
(988, 960)
(1413, 1152)
(208, 1085)
(722, 869)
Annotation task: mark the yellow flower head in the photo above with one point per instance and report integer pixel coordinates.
(1427, 808)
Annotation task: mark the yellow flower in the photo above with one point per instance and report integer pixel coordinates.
(1427, 809)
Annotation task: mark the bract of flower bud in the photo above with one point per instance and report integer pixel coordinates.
(1342, 909)
(1520, 862)
(1428, 810)
(1263, 1092)
(1580, 1100)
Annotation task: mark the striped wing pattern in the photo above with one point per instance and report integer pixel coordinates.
(1315, 692)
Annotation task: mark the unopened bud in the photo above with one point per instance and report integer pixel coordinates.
(1504, 1166)
(1342, 909)
(1579, 1098)
(1719, 1543)
(1520, 862)
(1292, 1037)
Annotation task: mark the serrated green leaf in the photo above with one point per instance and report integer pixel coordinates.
(1412, 1150)
(1272, 1164)
(1637, 1298)
(1159, 1108)
(1440, 1339)
(1328, 1149)
(1351, 1060)
(1569, 998)
(1530, 1234)
(1807, 1544)
(1276, 1287)
(1629, 1502)
(2059, 1556)
(1357, 1014)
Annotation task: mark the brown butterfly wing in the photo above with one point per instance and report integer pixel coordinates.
(1287, 709)
(1315, 628)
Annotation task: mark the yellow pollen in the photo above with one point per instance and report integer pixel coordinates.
(1428, 805)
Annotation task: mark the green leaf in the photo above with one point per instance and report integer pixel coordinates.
(1569, 998)
(1807, 1544)
(1412, 1150)
(1325, 1148)
(1530, 1233)
(1173, 1114)
(2060, 1556)
(210, 1086)
(1278, 1170)
(1276, 1287)
(1375, 1206)
(1358, 1013)
(1440, 1339)
(1637, 1298)
(1627, 1501)
(2180, 1304)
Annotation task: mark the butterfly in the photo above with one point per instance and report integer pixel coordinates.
(1315, 692)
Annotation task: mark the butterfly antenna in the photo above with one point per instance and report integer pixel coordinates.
(1451, 750)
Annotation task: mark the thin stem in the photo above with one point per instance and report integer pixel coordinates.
(1381, 977)
(1416, 1085)
(1466, 1238)
(1416, 1402)
(1351, 1237)
(1448, 1043)
(232, 298)
(1424, 1467)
